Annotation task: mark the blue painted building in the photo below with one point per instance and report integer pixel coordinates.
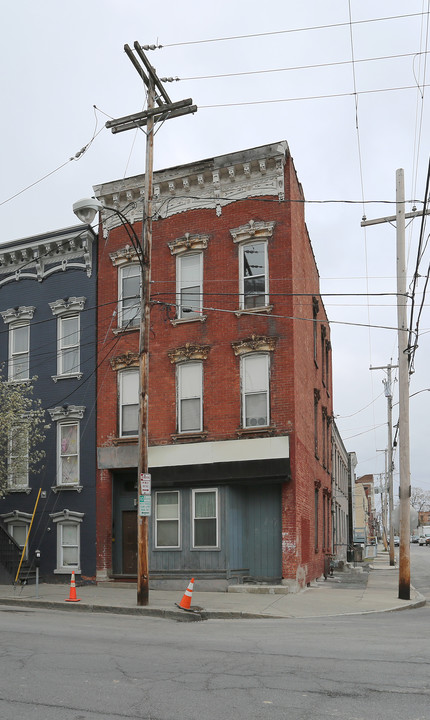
(48, 330)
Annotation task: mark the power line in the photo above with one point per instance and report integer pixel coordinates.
(281, 32)
(308, 97)
(293, 67)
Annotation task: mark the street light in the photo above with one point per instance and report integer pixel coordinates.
(86, 210)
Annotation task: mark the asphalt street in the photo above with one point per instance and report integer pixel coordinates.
(80, 666)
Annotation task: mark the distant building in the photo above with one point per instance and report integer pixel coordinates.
(48, 314)
(365, 522)
(341, 490)
(240, 387)
(424, 517)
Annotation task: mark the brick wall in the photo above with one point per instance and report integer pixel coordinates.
(294, 374)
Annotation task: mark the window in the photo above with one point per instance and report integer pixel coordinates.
(68, 345)
(255, 390)
(253, 275)
(68, 453)
(129, 296)
(19, 352)
(190, 397)
(67, 311)
(167, 519)
(18, 458)
(205, 518)
(316, 517)
(19, 532)
(324, 522)
(315, 310)
(189, 287)
(316, 401)
(128, 402)
(69, 545)
(68, 540)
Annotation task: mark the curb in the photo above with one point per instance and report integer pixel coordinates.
(200, 616)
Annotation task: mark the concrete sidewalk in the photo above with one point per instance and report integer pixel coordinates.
(357, 591)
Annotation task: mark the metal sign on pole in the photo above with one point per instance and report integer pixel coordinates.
(159, 108)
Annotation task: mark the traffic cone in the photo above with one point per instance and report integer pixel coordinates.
(72, 597)
(185, 603)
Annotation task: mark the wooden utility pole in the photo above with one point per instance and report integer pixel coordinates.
(159, 107)
(389, 453)
(403, 350)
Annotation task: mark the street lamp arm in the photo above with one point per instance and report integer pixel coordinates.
(86, 210)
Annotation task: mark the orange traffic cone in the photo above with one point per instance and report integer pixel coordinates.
(72, 597)
(185, 603)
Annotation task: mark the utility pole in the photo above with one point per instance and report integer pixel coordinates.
(164, 111)
(403, 351)
(389, 452)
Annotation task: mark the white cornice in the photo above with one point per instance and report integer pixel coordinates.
(38, 258)
(208, 184)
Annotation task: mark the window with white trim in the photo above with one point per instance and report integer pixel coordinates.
(189, 285)
(19, 352)
(18, 458)
(254, 279)
(128, 402)
(19, 532)
(67, 311)
(68, 453)
(255, 390)
(129, 295)
(205, 518)
(189, 383)
(68, 345)
(68, 525)
(167, 519)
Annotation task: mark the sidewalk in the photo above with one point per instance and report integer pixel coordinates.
(357, 591)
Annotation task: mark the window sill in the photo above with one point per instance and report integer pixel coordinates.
(254, 311)
(19, 489)
(264, 430)
(201, 435)
(60, 488)
(133, 328)
(214, 548)
(67, 571)
(126, 440)
(70, 376)
(182, 321)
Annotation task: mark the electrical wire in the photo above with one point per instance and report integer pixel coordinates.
(280, 32)
(75, 157)
(328, 96)
(293, 67)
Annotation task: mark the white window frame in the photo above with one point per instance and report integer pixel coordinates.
(63, 347)
(194, 493)
(67, 518)
(61, 456)
(121, 375)
(135, 322)
(181, 288)
(181, 397)
(172, 519)
(246, 392)
(20, 524)
(12, 485)
(17, 518)
(242, 277)
(15, 355)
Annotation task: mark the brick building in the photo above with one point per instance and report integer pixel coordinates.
(240, 390)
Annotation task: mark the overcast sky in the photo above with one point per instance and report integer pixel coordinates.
(349, 128)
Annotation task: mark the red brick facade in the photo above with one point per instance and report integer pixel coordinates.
(300, 379)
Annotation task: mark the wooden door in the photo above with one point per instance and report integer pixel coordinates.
(129, 542)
